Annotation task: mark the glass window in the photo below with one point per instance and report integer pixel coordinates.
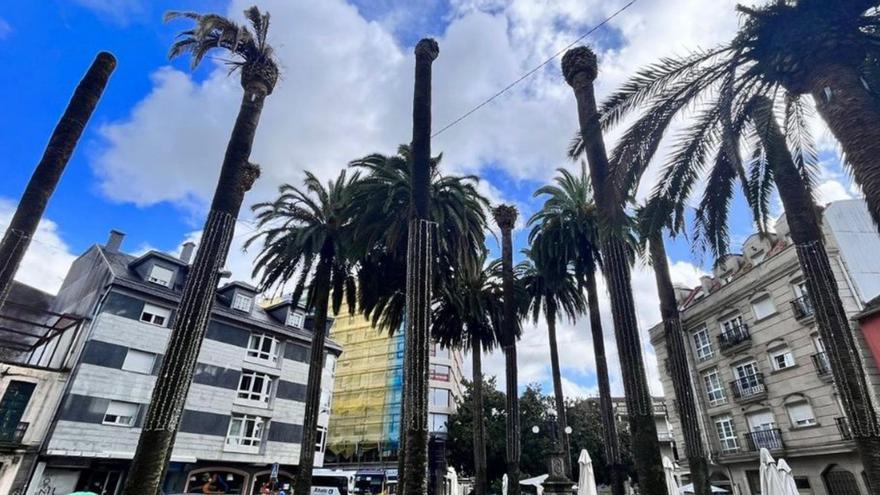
(703, 345)
(326, 395)
(245, 433)
(209, 481)
(732, 325)
(440, 397)
(263, 347)
(801, 414)
(714, 389)
(161, 275)
(295, 319)
(320, 440)
(121, 413)
(440, 372)
(726, 433)
(242, 302)
(139, 361)
(781, 358)
(254, 388)
(437, 422)
(763, 307)
(155, 315)
(439, 351)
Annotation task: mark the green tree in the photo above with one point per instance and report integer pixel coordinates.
(306, 237)
(48, 172)
(259, 73)
(579, 66)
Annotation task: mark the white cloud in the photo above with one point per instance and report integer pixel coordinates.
(47, 259)
(5, 29)
(117, 11)
(831, 190)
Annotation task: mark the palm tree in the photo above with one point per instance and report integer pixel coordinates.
(259, 73)
(825, 49)
(505, 217)
(566, 229)
(301, 230)
(465, 316)
(48, 172)
(552, 289)
(579, 67)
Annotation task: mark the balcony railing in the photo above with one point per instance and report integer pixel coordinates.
(765, 439)
(729, 446)
(749, 387)
(734, 336)
(843, 428)
(802, 307)
(9, 436)
(822, 364)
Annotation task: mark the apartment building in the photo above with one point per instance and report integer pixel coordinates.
(759, 369)
(245, 407)
(665, 436)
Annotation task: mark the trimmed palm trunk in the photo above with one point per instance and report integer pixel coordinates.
(48, 172)
(505, 217)
(237, 175)
(606, 408)
(678, 369)
(316, 371)
(480, 481)
(558, 397)
(834, 328)
(418, 283)
(580, 68)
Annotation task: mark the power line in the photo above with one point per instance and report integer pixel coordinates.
(536, 69)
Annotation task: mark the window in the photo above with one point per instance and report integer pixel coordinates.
(801, 414)
(139, 361)
(440, 372)
(438, 351)
(437, 422)
(254, 388)
(161, 275)
(330, 362)
(320, 439)
(245, 433)
(295, 319)
(242, 302)
(155, 315)
(781, 358)
(763, 307)
(263, 347)
(121, 413)
(732, 326)
(440, 397)
(702, 345)
(714, 389)
(326, 395)
(726, 433)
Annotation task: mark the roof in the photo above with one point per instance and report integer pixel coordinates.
(871, 307)
(154, 254)
(239, 284)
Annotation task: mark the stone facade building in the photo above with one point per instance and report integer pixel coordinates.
(758, 366)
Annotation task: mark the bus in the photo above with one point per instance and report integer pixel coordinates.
(375, 482)
(333, 482)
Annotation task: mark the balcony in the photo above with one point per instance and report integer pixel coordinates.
(843, 428)
(822, 365)
(734, 338)
(765, 439)
(10, 436)
(802, 307)
(749, 388)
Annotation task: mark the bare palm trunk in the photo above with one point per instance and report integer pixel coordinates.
(837, 336)
(558, 397)
(480, 481)
(579, 67)
(853, 115)
(505, 217)
(678, 367)
(48, 172)
(237, 175)
(316, 370)
(606, 408)
(418, 282)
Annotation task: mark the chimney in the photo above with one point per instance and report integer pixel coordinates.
(114, 242)
(186, 253)
(707, 282)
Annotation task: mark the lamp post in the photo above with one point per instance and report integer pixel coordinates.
(557, 482)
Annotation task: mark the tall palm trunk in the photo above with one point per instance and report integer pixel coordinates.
(843, 352)
(852, 113)
(678, 368)
(579, 67)
(558, 397)
(237, 175)
(418, 282)
(606, 408)
(316, 370)
(480, 478)
(48, 172)
(505, 217)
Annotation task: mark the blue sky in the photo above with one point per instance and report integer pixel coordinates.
(148, 160)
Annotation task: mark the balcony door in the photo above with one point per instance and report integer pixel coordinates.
(761, 421)
(747, 377)
(12, 407)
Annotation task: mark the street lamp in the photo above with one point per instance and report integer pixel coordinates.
(557, 482)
